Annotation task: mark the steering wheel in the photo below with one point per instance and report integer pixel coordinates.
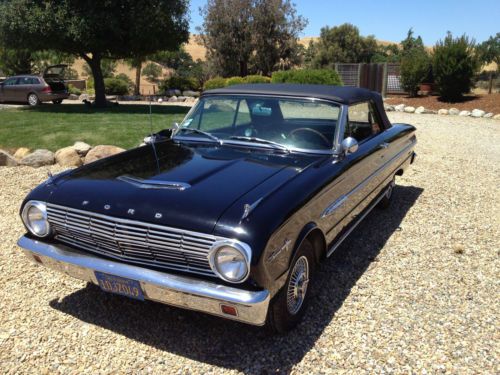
(322, 136)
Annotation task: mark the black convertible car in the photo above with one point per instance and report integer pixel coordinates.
(231, 212)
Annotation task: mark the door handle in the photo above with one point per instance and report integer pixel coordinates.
(384, 145)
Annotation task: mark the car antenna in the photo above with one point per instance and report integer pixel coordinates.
(151, 136)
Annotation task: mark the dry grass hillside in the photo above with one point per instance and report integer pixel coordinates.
(197, 51)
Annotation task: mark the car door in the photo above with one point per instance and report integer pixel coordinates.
(349, 197)
(22, 88)
(8, 89)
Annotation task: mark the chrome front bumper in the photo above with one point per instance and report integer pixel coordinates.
(181, 291)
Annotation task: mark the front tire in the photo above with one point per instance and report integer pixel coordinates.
(33, 99)
(289, 305)
(57, 101)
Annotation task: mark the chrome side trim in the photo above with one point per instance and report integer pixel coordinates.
(330, 209)
(355, 224)
(180, 291)
(154, 184)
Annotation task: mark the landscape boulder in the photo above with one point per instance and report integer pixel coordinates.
(173, 99)
(21, 153)
(420, 110)
(191, 93)
(443, 112)
(496, 117)
(454, 111)
(464, 113)
(388, 108)
(39, 158)
(102, 151)
(68, 157)
(477, 113)
(409, 109)
(399, 108)
(7, 160)
(488, 115)
(82, 148)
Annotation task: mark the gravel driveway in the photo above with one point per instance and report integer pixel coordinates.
(414, 288)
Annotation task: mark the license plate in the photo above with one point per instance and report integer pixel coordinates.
(120, 285)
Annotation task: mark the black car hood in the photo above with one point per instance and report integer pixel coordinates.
(216, 176)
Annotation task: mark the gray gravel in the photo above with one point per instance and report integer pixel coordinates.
(413, 290)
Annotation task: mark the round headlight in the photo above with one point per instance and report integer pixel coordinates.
(35, 218)
(230, 262)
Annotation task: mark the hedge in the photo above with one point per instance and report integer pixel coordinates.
(115, 86)
(235, 81)
(307, 76)
(215, 83)
(179, 83)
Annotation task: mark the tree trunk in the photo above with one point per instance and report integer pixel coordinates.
(95, 66)
(490, 86)
(243, 69)
(138, 69)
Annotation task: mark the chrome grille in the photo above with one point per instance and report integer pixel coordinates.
(132, 241)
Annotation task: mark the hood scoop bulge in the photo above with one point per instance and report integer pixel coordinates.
(154, 184)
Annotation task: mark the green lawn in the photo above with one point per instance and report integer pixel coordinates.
(53, 127)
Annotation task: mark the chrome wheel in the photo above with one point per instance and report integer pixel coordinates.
(297, 286)
(388, 193)
(33, 99)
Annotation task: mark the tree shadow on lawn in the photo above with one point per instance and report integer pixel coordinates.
(119, 109)
(233, 345)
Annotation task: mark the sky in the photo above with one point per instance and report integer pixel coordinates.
(390, 20)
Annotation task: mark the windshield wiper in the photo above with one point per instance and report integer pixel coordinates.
(198, 131)
(275, 145)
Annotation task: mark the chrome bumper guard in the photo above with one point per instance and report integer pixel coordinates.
(180, 291)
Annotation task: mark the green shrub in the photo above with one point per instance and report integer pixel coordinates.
(235, 81)
(454, 64)
(179, 83)
(257, 79)
(215, 83)
(115, 86)
(309, 76)
(415, 68)
(73, 90)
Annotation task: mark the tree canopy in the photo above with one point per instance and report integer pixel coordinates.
(94, 30)
(250, 36)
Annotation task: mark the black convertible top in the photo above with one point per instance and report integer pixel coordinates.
(339, 94)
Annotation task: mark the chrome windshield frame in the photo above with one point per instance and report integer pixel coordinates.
(336, 142)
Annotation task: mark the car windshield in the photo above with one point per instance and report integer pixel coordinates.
(274, 122)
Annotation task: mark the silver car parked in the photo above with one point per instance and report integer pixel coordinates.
(35, 89)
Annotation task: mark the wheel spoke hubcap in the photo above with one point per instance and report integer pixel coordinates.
(297, 286)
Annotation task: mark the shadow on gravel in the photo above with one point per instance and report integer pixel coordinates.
(238, 346)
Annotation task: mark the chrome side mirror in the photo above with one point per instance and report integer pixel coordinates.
(349, 145)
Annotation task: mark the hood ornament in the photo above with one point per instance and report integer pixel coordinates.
(248, 208)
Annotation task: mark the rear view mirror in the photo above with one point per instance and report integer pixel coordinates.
(349, 145)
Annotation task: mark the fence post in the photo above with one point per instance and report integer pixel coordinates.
(384, 81)
(359, 75)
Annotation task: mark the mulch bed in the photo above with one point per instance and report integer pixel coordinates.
(488, 103)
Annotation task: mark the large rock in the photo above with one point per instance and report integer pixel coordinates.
(82, 148)
(6, 160)
(399, 108)
(191, 93)
(443, 112)
(68, 157)
(39, 158)
(477, 113)
(488, 115)
(496, 117)
(464, 113)
(21, 152)
(409, 109)
(420, 110)
(388, 108)
(454, 111)
(102, 151)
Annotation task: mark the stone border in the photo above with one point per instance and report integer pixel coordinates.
(476, 113)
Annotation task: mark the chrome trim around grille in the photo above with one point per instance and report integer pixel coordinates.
(133, 241)
(181, 291)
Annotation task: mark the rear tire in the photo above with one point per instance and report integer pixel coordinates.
(33, 100)
(288, 307)
(57, 101)
(386, 200)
